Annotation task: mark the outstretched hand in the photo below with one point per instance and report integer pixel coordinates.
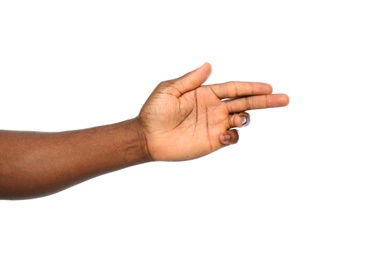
(183, 119)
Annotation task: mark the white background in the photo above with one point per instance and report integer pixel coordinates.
(299, 183)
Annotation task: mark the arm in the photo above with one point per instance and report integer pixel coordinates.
(34, 164)
(181, 120)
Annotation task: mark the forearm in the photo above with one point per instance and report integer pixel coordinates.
(34, 164)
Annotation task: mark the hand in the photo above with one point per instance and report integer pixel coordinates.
(184, 120)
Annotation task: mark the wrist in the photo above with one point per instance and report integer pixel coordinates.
(135, 143)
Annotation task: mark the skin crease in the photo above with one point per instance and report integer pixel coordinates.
(181, 120)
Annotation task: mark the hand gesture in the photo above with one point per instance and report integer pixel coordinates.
(183, 119)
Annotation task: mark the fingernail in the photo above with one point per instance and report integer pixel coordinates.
(224, 139)
(227, 138)
(245, 121)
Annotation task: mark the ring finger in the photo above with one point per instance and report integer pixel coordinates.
(239, 119)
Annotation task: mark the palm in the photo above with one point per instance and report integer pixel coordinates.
(186, 127)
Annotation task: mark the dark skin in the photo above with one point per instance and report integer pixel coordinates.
(181, 120)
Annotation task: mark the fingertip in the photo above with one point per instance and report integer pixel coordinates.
(267, 88)
(270, 88)
(207, 64)
(207, 68)
(261, 88)
(284, 99)
(225, 138)
(245, 120)
(229, 137)
(200, 74)
(240, 120)
(193, 79)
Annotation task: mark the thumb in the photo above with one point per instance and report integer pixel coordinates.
(193, 79)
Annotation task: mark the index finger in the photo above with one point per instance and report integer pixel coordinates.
(234, 89)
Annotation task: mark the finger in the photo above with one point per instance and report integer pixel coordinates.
(236, 89)
(239, 119)
(229, 137)
(257, 102)
(192, 80)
